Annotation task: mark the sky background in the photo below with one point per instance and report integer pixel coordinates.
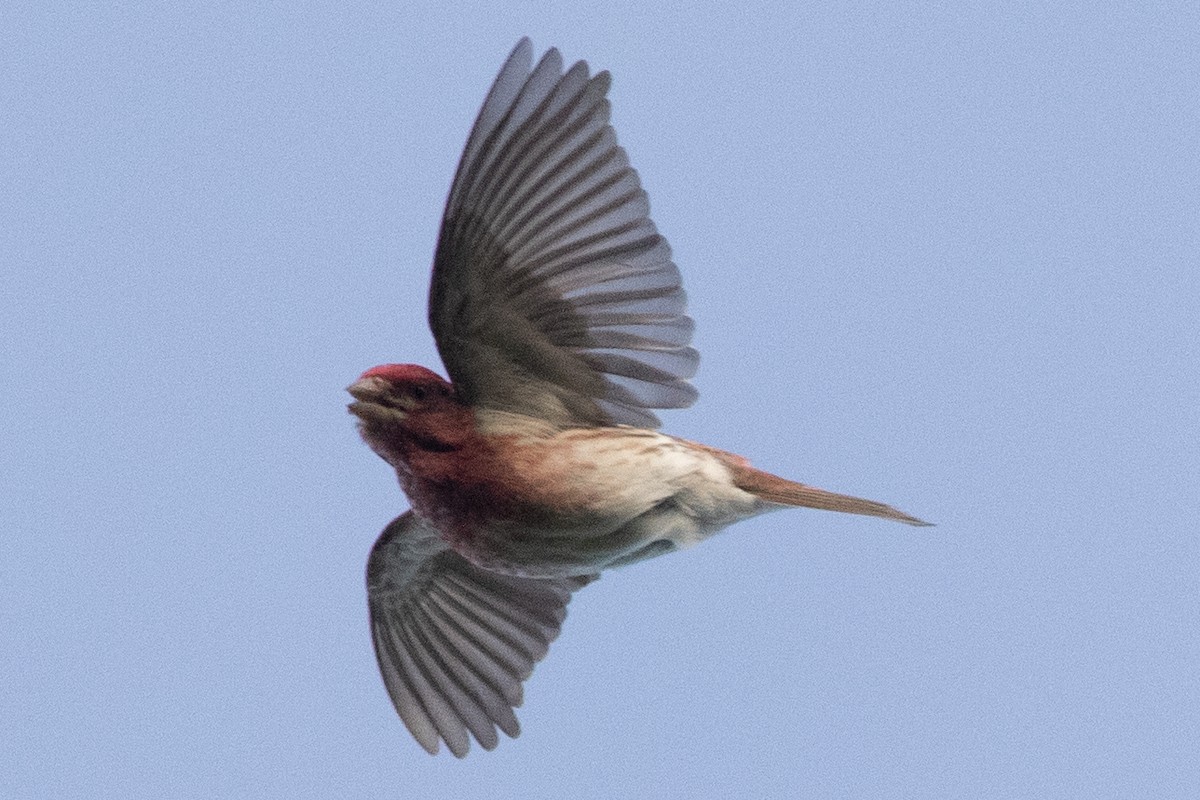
(939, 255)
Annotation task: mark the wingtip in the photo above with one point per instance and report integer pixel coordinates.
(523, 45)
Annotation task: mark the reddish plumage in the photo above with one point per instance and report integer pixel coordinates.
(561, 320)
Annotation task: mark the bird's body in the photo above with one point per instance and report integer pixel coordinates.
(515, 495)
(561, 320)
(540, 503)
(578, 501)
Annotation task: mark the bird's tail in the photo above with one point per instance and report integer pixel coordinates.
(775, 489)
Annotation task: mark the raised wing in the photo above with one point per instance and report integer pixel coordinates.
(553, 294)
(454, 642)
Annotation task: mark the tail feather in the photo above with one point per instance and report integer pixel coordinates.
(774, 489)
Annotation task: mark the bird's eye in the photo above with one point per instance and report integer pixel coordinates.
(418, 392)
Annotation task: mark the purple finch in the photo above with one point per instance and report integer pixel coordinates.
(561, 322)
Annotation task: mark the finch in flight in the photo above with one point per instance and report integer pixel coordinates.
(561, 321)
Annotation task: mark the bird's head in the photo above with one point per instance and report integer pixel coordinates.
(405, 405)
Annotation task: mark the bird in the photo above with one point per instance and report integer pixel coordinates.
(561, 321)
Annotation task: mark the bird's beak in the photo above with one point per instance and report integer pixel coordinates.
(367, 390)
(370, 405)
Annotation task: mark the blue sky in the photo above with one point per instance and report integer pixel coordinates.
(944, 256)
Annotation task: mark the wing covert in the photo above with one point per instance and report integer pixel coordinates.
(553, 294)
